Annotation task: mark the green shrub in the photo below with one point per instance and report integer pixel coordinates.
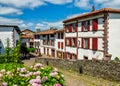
(31, 49)
(117, 59)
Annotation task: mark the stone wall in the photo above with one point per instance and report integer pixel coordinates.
(104, 69)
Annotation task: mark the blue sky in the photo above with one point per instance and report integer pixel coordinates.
(43, 14)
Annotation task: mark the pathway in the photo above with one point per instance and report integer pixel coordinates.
(75, 79)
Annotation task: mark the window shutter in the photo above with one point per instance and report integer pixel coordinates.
(88, 43)
(70, 41)
(58, 44)
(82, 26)
(61, 45)
(65, 41)
(95, 43)
(95, 24)
(89, 25)
(70, 29)
(82, 43)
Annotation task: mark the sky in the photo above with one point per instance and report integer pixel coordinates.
(43, 14)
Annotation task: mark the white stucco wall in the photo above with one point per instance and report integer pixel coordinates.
(114, 35)
(5, 32)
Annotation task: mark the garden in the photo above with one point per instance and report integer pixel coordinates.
(14, 73)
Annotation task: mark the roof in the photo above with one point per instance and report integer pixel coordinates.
(16, 27)
(60, 30)
(28, 30)
(24, 36)
(50, 31)
(109, 10)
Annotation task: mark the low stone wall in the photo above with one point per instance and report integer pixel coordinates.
(109, 70)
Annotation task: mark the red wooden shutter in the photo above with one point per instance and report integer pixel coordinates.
(61, 45)
(95, 24)
(95, 43)
(88, 43)
(89, 25)
(82, 43)
(70, 41)
(58, 44)
(82, 26)
(70, 29)
(65, 41)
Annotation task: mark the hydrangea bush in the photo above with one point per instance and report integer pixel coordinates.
(36, 75)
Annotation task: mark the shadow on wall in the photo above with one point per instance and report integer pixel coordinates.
(2, 48)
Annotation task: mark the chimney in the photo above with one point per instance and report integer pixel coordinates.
(37, 29)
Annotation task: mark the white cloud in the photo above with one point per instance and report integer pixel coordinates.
(82, 3)
(23, 3)
(10, 21)
(9, 10)
(58, 1)
(108, 3)
(30, 24)
(71, 16)
(47, 25)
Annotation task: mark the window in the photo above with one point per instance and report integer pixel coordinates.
(85, 43)
(85, 25)
(61, 45)
(67, 28)
(52, 42)
(58, 44)
(52, 35)
(69, 56)
(74, 27)
(62, 35)
(44, 35)
(95, 24)
(95, 43)
(58, 35)
(67, 41)
(70, 28)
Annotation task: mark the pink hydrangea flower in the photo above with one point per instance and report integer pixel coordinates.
(4, 83)
(53, 74)
(22, 70)
(55, 70)
(57, 85)
(38, 65)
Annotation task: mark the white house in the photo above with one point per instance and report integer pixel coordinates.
(8, 32)
(50, 42)
(94, 35)
(44, 42)
(59, 44)
(27, 38)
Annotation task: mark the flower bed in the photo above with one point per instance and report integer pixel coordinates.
(36, 75)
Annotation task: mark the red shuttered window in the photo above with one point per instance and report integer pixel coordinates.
(95, 43)
(95, 24)
(70, 41)
(70, 28)
(58, 44)
(61, 45)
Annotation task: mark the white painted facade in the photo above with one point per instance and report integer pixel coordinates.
(91, 34)
(8, 33)
(114, 34)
